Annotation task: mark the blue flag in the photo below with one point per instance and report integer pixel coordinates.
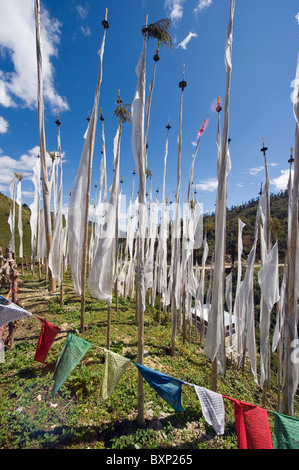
(167, 387)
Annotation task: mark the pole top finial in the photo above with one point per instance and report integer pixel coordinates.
(57, 120)
(261, 190)
(291, 159)
(263, 149)
(183, 83)
(218, 108)
(105, 22)
(119, 101)
(156, 56)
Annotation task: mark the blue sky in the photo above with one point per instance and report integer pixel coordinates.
(264, 57)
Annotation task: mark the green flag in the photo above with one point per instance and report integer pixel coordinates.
(286, 431)
(70, 356)
(115, 366)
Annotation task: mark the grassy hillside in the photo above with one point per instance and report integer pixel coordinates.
(30, 418)
(5, 235)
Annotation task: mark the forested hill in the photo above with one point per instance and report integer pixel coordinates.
(247, 213)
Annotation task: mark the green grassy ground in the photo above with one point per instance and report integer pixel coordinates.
(31, 419)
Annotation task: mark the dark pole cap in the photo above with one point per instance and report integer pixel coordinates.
(183, 84)
(105, 24)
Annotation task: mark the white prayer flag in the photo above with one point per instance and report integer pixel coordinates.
(12, 190)
(268, 278)
(102, 271)
(34, 210)
(77, 202)
(212, 408)
(56, 249)
(10, 312)
(215, 335)
(20, 223)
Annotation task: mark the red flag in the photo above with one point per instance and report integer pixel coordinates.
(252, 426)
(46, 338)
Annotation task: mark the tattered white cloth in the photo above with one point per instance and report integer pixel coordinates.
(10, 312)
(212, 408)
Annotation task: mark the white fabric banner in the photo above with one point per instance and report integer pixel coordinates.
(20, 222)
(12, 190)
(56, 251)
(215, 345)
(10, 312)
(212, 408)
(138, 149)
(291, 369)
(34, 209)
(268, 278)
(100, 279)
(77, 202)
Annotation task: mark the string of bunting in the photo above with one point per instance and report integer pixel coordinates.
(252, 424)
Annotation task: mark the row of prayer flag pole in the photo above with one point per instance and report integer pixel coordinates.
(252, 423)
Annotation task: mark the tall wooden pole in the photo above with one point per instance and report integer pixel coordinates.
(177, 228)
(58, 122)
(91, 149)
(140, 240)
(84, 254)
(43, 155)
(266, 384)
(290, 378)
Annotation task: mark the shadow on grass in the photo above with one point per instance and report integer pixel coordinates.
(64, 436)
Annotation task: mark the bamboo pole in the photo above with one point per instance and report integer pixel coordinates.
(85, 239)
(46, 192)
(279, 346)
(176, 247)
(140, 240)
(292, 270)
(214, 350)
(266, 384)
(91, 149)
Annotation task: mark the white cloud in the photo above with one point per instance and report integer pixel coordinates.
(82, 11)
(202, 4)
(3, 125)
(187, 39)
(297, 17)
(281, 182)
(256, 170)
(240, 185)
(18, 45)
(85, 30)
(174, 9)
(23, 165)
(210, 184)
